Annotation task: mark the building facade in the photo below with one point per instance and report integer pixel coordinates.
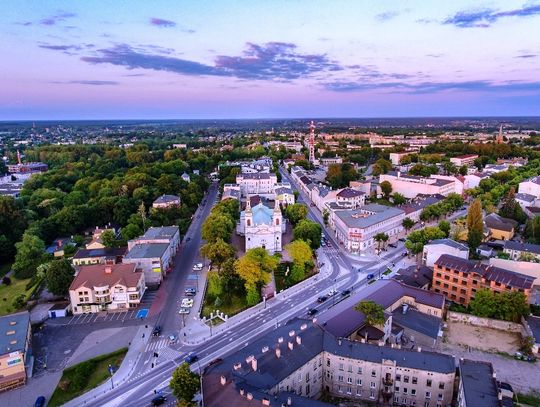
(15, 337)
(436, 248)
(262, 227)
(154, 259)
(99, 288)
(411, 186)
(166, 201)
(467, 159)
(256, 184)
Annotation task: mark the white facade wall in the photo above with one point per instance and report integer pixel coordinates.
(432, 252)
(410, 188)
(529, 187)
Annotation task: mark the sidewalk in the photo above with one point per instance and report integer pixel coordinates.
(198, 331)
(123, 373)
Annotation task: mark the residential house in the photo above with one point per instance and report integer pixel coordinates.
(154, 259)
(525, 200)
(164, 234)
(415, 276)
(396, 158)
(284, 194)
(436, 248)
(459, 279)
(518, 250)
(473, 180)
(97, 242)
(500, 228)
(166, 201)
(15, 337)
(106, 255)
(530, 186)
(416, 205)
(461, 160)
(185, 177)
(350, 198)
(59, 245)
(103, 287)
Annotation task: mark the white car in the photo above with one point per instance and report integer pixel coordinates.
(332, 292)
(187, 303)
(198, 266)
(184, 311)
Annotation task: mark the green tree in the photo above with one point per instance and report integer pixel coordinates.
(309, 232)
(511, 209)
(386, 188)
(299, 251)
(131, 231)
(59, 276)
(184, 383)
(407, 224)
(374, 313)
(13, 222)
(381, 166)
(326, 215)
(296, 212)
(445, 227)
(217, 252)
(484, 304)
(398, 199)
(108, 238)
(463, 170)
(381, 239)
(297, 274)
(255, 268)
(217, 226)
(532, 230)
(29, 254)
(475, 225)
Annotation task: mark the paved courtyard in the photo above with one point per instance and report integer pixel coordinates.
(484, 339)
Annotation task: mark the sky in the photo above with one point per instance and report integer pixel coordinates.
(129, 59)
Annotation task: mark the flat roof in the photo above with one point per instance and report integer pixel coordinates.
(163, 232)
(479, 386)
(368, 215)
(147, 250)
(13, 332)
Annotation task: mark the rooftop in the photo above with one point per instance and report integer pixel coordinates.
(522, 247)
(368, 215)
(104, 252)
(97, 275)
(479, 386)
(494, 221)
(534, 324)
(349, 193)
(164, 199)
(256, 175)
(486, 271)
(525, 197)
(147, 250)
(450, 243)
(13, 332)
(414, 276)
(164, 232)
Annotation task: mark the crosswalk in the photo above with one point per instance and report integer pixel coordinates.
(156, 344)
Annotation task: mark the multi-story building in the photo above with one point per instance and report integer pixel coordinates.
(530, 186)
(355, 228)
(256, 184)
(284, 194)
(410, 186)
(166, 201)
(101, 287)
(473, 180)
(350, 198)
(396, 158)
(466, 159)
(261, 226)
(331, 160)
(518, 250)
(154, 259)
(108, 255)
(15, 336)
(27, 168)
(436, 248)
(478, 386)
(459, 279)
(165, 234)
(413, 209)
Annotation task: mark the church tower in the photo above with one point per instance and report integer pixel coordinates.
(499, 139)
(277, 217)
(311, 143)
(248, 213)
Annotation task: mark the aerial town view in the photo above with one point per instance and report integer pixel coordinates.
(270, 203)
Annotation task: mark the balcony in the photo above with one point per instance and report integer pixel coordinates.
(388, 381)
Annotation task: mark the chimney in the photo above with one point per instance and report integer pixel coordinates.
(419, 349)
(299, 340)
(280, 339)
(303, 327)
(249, 396)
(264, 349)
(223, 380)
(237, 366)
(242, 391)
(108, 270)
(254, 364)
(291, 345)
(265, 402)
(339, 342)
(291, 333)
(278, 353)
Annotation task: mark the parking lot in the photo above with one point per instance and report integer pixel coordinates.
(113, 316)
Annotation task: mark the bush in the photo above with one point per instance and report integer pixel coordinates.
(6, 280)
(19, 302)
(81, 374)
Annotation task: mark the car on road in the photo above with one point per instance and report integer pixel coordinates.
(156, 331)
(404, 254)
(322, 298)
(332, 292)
(312, 311)
(191, 357)
(173, 338)
(158, 400)
(344, 293)
(392, 245)
(184, 310)
(197, 266)
(190, 291)
(187, 302)
(370, 276)
(402, 239)
(40, 402)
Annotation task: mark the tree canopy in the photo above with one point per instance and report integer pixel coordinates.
(309, 232)
(59, 276)
(184, 383)
(374, 313)
(296, 212)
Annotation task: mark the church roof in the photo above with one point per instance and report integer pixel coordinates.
(262, 214)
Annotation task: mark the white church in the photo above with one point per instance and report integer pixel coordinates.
(262, 226)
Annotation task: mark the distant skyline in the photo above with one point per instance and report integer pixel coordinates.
(268, 59)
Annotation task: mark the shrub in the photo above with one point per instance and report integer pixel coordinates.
(6, 280)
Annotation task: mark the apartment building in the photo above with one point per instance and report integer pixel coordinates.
(350, 198)
(355, 228)
(154, 259)
(256, 184)
(396, 158)
(459, 279)
(436, 248)
(478, 385)
(169, 235)
(297, 362)
(517, 250)
(530, 186)
(15, 337)
(331, 160)
(467, 159)
(100, 287)
(411, 186)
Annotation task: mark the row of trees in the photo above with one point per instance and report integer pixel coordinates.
(417, 239)
(449, 204)
(509, 306)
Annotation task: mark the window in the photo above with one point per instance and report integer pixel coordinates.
(428, 383)
(307, 377)
(413, 392)
(454, 288)
(340, 389)
(463, 291)
(327, 362)
(307, 390)
(426, 404)
(349, 368)
(455, 280)
(349, 380)
(404, 400)
(441, 385)
(372, 385)
(358, 382)
(414, 380)
(341, 366)
(440, 396)
(398, 378)
(396, 389)
(371, 394)
(340, 378)
(359, 370)
(406, 379)
(349, 390)
(405, 390)
(373, 373)
(358, 391)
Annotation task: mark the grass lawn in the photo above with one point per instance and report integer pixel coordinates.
(531, 399)
(85, 376)
(281, 280)
(4, 269)
(388, 271)
(236, 305)
(9, 292)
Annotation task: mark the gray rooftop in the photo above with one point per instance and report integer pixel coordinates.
(450, 243)
(479, 385)
(368, 215)
(534, 324)
(165, 232)
(18, 323)
(425, 324)
(522, 247)
(147, 251)
(163, 199)
(525, 197)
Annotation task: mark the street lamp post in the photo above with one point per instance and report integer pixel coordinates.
(111, 371)
(334, 293)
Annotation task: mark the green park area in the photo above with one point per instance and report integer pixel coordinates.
(85, 376)
(14, 296)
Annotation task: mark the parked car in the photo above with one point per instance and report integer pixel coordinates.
(158, 400)
(345, 292)
(191, 357)
(322, 298)
(156, 331)
(402, 239)
(40, 402)
(312, 311)
(197, 267)
(392, 245)
(184, 310)
(370, 276)
(187, 302)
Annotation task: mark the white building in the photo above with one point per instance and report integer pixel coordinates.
(530, 186)
(166, 201)
(262, 227)
(396, 158)
(284, 194)
(185, 177)
(350, 198)
(466, 159)
(153, 259)
(331, 160)
(410, 186)
(256, 184)
(473, 180)
(459, 182)
(435, 249)
(355, 229)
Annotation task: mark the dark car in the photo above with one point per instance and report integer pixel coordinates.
(402, 239)
(322, 298)
(188, 239)
(370, 276)
(40, 402)
(158, 400)
(191, 357)
(156, 331)
(345, 292)
(392, 245)
(312, 311)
